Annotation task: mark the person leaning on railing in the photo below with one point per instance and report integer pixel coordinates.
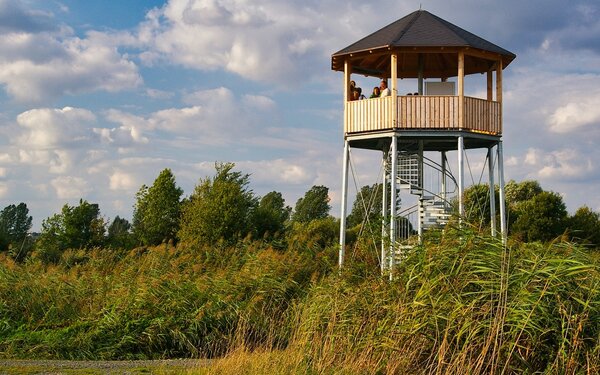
(383, 87)
(375, 93)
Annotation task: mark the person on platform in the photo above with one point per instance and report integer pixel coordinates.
(383, 88)
(375, 93)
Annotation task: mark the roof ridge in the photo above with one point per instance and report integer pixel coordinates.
(415, 15)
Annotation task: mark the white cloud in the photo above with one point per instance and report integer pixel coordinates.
(69, 187)
(576, 114)
(46, 128)
(120, 180)
(41, 59)
(267, 41)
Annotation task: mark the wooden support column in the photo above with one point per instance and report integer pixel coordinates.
(499, 88)
(394, 88)
(347, 74)
(490, 86)
(461, 89)
(384, 211)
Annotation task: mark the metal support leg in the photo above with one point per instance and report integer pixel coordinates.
(422, 191)
(461, 179)
(393, 196)
(344, 203)
(503, 226)
(490, 155)
(384, 212)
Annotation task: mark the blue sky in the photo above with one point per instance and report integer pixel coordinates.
(98, 97)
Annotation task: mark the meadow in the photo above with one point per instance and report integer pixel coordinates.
(461, 303)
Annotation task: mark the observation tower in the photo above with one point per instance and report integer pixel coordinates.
(415, 132)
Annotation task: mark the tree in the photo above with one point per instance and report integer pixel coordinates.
(521, 191)
(314, 205)
(119, 234)
(75, 227)
(15, 224)
(271, 214)
(477, 205)
(584, 226)
(541, 218)
(368, 203)
(221, 208)
(157, 210)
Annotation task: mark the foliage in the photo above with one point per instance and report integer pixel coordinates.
(157, 210)
(15, 224)
(314, 205)
(271, 215)
(74, 228)
(477, 205)
(463, 304)
(541, 218)
(221, 208)
(367, 205)
(158, 302)
(584, 226)
(119, 234)
(314, 236)
(517, 192)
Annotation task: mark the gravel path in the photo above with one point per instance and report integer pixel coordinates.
(99, 367)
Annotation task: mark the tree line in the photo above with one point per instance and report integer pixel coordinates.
(224, 209)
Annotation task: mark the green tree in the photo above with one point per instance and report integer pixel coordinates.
(477, 205)
(541, 218)
(314, 205)
(15, 223)
(119, 234)
(221, 208)
(271, 215)
(75, 227)
(584, 226)
(368, 204)
(157, 210)
(517, 192)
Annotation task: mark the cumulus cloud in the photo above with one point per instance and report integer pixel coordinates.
(575, 113)
(69, 187)
(267, 41)
(41, 59)
(121, 180)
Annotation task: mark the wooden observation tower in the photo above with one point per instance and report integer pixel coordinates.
(434, 120)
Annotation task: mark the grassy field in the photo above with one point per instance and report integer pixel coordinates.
(461, 303)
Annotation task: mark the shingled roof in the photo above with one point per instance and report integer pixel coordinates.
(421, 33)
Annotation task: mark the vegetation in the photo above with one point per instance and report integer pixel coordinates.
(157, 210)
(314, 205)
(221, 208)
(244, 282)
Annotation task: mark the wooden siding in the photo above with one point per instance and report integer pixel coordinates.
(422, 113)
(369, 115)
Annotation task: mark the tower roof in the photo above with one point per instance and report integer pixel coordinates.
(421, 33)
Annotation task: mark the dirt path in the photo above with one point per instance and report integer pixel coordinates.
(172, 366)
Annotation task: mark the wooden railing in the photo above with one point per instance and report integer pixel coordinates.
(422, 112)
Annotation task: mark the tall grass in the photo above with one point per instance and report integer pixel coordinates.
(465, 305)
(158, 302)
(461, 303)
